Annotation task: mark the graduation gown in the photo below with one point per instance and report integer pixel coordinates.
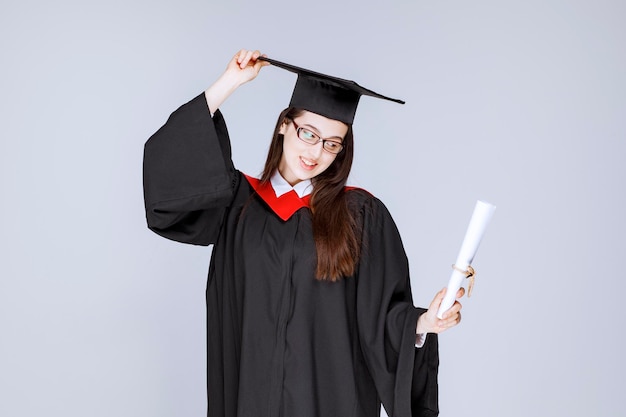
(281, 343)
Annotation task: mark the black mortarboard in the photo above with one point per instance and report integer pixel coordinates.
(328, 96)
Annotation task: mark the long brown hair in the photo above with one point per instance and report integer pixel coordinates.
(335, 229)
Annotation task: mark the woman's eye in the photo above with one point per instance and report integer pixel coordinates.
(306, 134)
(332, 145)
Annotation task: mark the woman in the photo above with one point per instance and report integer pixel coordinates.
(309, 304)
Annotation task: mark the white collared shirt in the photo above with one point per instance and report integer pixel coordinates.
(281, 186)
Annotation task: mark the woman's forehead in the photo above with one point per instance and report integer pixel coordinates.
(325, 126)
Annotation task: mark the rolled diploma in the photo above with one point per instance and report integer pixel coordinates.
(480, 219)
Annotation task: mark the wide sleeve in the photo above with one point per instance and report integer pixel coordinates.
(189, 178)
(405, 376)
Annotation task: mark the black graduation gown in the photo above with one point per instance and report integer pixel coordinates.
(279, 342)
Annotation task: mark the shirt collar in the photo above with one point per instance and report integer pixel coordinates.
(281, 186)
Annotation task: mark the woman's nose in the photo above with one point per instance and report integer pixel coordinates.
(317, 149)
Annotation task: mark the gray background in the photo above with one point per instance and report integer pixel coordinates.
(522, 104)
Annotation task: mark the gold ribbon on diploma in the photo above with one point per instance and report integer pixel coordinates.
(469, 273)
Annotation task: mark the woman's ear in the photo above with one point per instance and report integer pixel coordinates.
(283, 127)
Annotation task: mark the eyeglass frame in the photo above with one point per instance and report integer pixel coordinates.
(319, 139)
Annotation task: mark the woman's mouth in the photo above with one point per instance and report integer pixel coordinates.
(307, 163)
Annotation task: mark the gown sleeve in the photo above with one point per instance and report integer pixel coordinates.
(405, 376)
(189, 178)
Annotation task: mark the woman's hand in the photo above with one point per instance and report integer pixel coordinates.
(429, 323)
(243, 67)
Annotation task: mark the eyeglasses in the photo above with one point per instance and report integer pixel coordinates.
(305, 135)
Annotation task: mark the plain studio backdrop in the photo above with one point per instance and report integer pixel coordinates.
(522, 104)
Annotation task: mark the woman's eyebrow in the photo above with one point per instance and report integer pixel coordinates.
(311, 127)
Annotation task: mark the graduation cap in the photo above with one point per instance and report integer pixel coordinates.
(323, 94)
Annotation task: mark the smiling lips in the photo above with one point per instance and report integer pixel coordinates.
(307, 164)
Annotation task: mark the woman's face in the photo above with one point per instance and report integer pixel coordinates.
(302, 161)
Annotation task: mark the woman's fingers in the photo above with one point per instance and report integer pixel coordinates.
(257, 62)
(243, 62)
(245, 66)
(246, 58)
(451, 321)
(460, 293)
(434, 305)
(456, 307)
(238, 56)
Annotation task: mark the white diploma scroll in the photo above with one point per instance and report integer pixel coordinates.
(480, 219)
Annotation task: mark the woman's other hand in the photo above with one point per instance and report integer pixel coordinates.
(429, 323)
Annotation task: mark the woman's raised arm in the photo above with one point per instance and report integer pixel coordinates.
(243, 67)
